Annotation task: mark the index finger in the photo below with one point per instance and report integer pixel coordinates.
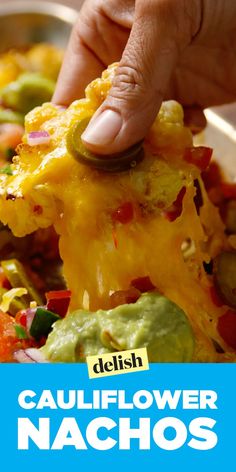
(80, 66)
(97, 40)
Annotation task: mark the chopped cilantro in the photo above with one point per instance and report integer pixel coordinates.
(20, 332)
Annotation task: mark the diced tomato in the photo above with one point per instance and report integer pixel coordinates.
(58, 301)
(228, 190)
(143, 284)
(212, 176)
(21, 318)
(216, 196)
(25, 317)
(179, 200)
(58, 294)
(199, 156)
(42, 341)
(171, 215)
(216, 297)
(227, 328)
(124, 213)
(121, 297)
(38, 209)
(9, 341)
(177, 206)
(7, 337)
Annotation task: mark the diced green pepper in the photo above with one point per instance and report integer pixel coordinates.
(42, 323)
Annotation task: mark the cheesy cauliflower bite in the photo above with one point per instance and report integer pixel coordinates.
(153, 220)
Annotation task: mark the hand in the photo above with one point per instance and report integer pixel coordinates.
(181, 49)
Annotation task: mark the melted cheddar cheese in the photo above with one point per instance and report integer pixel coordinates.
(101, 255)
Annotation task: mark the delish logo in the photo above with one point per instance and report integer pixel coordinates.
(121, 362)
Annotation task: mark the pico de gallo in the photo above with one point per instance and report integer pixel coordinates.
(31, 264)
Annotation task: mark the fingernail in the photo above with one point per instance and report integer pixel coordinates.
(103, 129)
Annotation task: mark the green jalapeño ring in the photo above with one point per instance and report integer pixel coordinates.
(118, 162)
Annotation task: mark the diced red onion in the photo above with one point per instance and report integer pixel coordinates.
(30, 356)
(30, 314)
(22, 358)
(38, 137)
(36, 355)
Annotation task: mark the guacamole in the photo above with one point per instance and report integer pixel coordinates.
(153, 321)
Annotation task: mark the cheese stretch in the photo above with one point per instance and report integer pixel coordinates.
(102, 254)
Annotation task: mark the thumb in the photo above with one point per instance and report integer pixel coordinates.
(158, 34)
